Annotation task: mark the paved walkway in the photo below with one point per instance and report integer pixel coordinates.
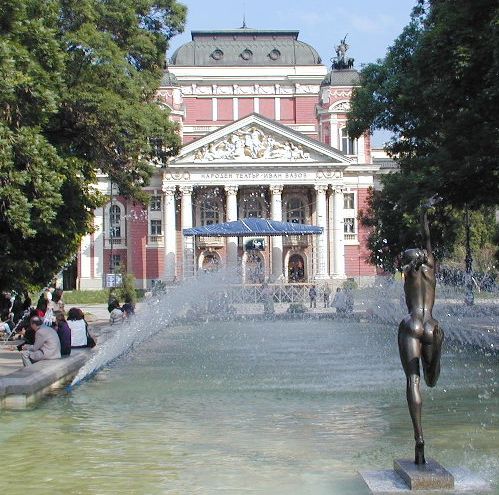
(96, 315)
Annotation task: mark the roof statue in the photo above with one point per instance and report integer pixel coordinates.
(341, 61)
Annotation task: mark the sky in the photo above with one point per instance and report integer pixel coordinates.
(371, 26)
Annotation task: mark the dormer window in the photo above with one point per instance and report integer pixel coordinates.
(217, 54)
(246, 54)
(274, 54)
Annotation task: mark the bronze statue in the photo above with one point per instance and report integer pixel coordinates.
(420, 336)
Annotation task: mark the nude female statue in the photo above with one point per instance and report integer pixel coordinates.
(420, 336)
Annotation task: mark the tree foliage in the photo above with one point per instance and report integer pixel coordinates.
(396, 225)
(77, 86)
(437, 92)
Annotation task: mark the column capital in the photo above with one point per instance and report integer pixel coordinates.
(276, 189)
(231, 190)
(186, 190)
(168, 189)
(338, 189)
(321, 188)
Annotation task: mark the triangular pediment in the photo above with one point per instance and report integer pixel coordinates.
(256, 139)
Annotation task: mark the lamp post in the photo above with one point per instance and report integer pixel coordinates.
(469, 297)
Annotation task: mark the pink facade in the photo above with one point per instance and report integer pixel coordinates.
(212, 84)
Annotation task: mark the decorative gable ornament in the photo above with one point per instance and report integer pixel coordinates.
(340, 106)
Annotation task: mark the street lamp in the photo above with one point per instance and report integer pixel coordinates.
(111, 235)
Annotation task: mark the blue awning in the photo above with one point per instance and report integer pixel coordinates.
(253, 226)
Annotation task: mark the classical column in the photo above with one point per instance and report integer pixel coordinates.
(170, 232)
(188, 267)
(276, 214)
(99, 244)
(338, 233)
(231, 193)
(321, 240)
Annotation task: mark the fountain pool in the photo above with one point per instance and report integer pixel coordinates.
(250, 407)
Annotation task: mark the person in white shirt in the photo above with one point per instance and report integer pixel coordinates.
(78, 326)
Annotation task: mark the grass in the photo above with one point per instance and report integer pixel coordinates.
(86, 296)
(92, 296)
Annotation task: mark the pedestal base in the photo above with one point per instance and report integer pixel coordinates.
(429, 476)
(388, 482)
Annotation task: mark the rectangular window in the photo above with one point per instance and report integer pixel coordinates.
(155, 204)
(348, 201)
(155, 227)
(349, 226)
(115, 263)
(348, 145)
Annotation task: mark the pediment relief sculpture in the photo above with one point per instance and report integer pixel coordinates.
(251, 144)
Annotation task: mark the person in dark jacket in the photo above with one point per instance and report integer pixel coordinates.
(64, 333)
(128, 308)
(25, 330)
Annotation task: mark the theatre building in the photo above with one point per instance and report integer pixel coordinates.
(262, 121)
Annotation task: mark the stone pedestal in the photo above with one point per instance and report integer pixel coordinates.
(390, 482)
(429, 476)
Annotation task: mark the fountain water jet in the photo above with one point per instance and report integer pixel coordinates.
(157, 313)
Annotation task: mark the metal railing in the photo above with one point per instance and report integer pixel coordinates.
(282, 293)
(117, 241)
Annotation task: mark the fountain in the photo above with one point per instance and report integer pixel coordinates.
(246, 406)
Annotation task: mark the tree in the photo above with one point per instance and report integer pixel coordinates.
(77, 97)
(395, 226)
(436, 91)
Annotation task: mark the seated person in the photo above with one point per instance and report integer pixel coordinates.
(46, 346)
(7, 324)
(23, 330)
(128, 308)
(113, 303)
(78, 326)
(116, 315)
(64, 333)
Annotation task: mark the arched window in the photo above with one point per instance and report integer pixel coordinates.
(210, 211)
(253, 207)
(115, 221)
(348, 145)
(295, 210)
